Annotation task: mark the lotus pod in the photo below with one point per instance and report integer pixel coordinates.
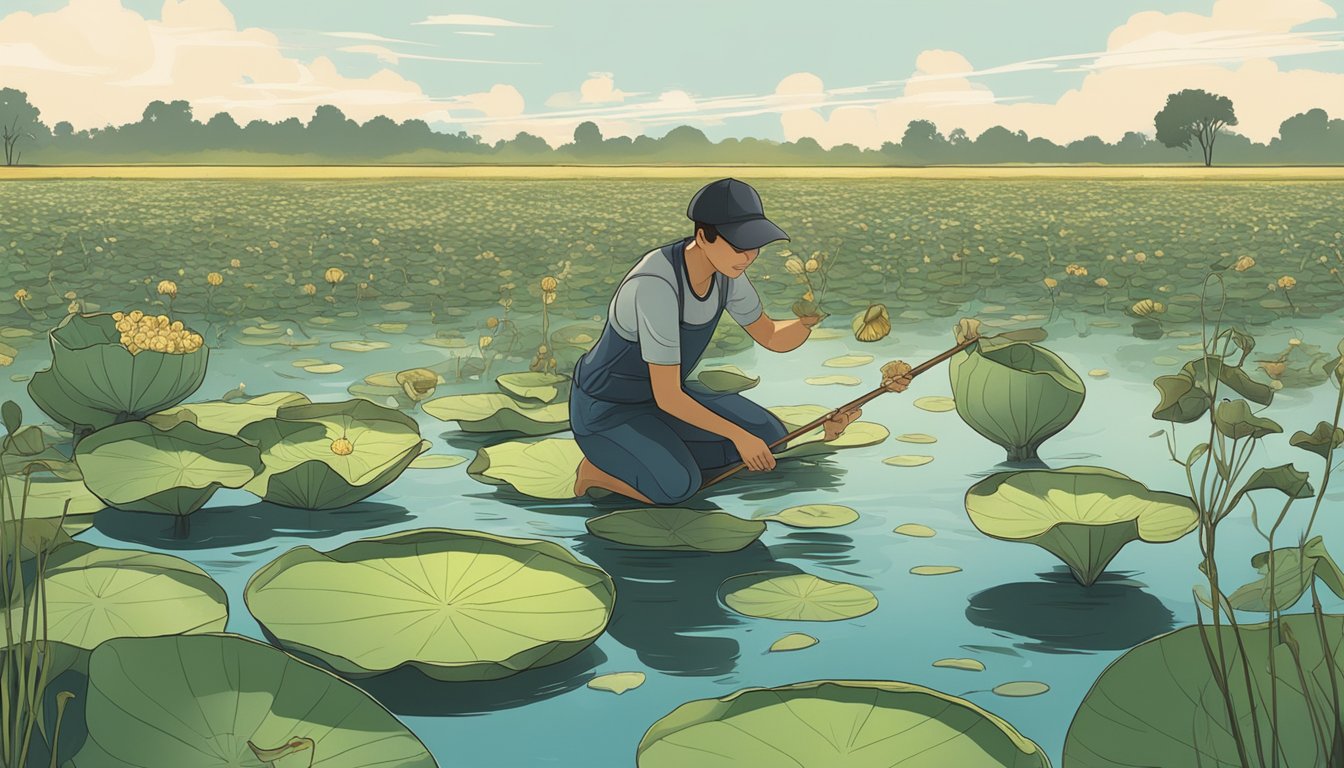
(872, 324)
(418, 383)
(1017, 395)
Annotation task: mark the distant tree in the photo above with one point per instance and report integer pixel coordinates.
(524, 144)
(222, 131)
(1303, 136)
(330, 131)
(958, 138)
(18, 120)
(63, 130)
(1194, 115)
(922, 139)
(587, 138)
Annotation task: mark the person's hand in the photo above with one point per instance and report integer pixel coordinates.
(967, 329)
(754, 452)
(810, 320)
(838, 421)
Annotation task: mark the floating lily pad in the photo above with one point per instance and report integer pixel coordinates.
(396, 306)
(675, 528)
(848, 361)
(304, 362)
(727, 379)
(359, 346)
(831, 723)
(391, 327)
(935, 403)
(826, 333)
(857, 435)
(821, 381)
(934, 570)
(457, 605)
(908, 460)
(324, 368)
(448, 343)
(915, 529)
(968, 665)
(1022, 688)
(228, 417)
(796, 597)
(916, 437)
(494, 412)
(794, 641)
(617, 682)
(167, 702)
(436, 461)
(533, 386)
(813, 516)
(1098, 373)
(546, 469)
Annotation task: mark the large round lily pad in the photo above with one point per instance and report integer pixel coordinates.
(134, 466)
(545, 469)
(494, 412)
(795, 597)
(170, 702)
(229, 417)
(1017, 395)
(1082, 515)
(837, 724)
(331, 455)
(457, 605)
(1159, 704)
(677, 528)
(534, 386)
(94, 594)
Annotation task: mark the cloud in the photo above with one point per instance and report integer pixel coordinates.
(371, 37)
(476, 33)
(468, 20)
(599, 88)
(389, 56)
(96, 63)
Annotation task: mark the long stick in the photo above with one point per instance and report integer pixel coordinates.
(856, 403)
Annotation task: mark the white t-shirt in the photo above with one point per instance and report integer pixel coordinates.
(644, 309)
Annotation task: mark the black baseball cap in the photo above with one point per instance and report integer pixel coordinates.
(735, 210)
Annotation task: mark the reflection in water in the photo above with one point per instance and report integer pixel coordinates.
(789, 476)
(409, 692)
(216, 527)
(664, 598)
(1064, 617)
(832, 550)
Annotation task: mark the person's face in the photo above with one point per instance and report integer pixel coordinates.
(724, 257)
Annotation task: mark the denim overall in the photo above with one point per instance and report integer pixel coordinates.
(623, 432)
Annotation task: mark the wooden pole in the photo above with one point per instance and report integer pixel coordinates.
(851, 405)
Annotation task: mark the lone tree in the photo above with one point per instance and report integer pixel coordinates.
(17, 121)
(1197, 115)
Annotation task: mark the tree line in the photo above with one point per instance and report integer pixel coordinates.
(1187, 129)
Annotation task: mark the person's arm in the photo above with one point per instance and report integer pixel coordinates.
(780, 335)
(672, 398)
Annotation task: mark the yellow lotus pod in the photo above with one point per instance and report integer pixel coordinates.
(309, 289)
(1050, 283)
(235, 263)
(873, 324)
(22, 295)
(334, 275)
(158, 344)
(171, 348)
(342, 447)
(177, 325)
(418, 383)
(167, 288)
(549, 284)
(1287, 282)
(1244, 263)
(124, 325)
(794, 266)
(492, 323)
(812, 265)
(215, 279)
(161, 321)
(1148, 307)
(136, 315)
(118, 316)
(548, 297)
(485, 341)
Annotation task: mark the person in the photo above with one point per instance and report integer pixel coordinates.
(643, 434)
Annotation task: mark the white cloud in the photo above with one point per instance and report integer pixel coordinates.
(371, 37)
(468, 20)
(599, 88)
(389, 56)
(95, 63)
(473, 32)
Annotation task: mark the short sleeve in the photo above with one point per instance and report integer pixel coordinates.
(657, 324)
(744, 304)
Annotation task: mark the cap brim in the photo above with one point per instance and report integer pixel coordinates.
(746, 235)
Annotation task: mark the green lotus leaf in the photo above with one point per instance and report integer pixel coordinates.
(727, 379)
(169, 702)
(1292, 569)
(1284, 478)
(229, 417)
(493, 412)
(306, 462)
(795, 597)
(858, 434)
(457, 605)
(676, 528)
(1158, 704)
(94, 381)
(1210, 369)
(534, 386)
(1322, 440)
(1182, 401)
(93, 594)
(813, 516)
(546, 469)
(837, 724)
(136, 467)
(1082, 515)
(1017, 395)
(1234, 419)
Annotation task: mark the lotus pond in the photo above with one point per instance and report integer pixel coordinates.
(345, 423)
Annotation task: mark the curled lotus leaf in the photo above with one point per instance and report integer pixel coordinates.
(1211, 371)
(495, 412)
(1182, 401)
(534, 386)
(1234, 419)
(1322, 440)
(1017, 395)
(1082, 515)
(829, 723)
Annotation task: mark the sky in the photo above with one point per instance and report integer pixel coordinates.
(840, 71)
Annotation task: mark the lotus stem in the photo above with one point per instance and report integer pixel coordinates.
(181, 526)
(62, 699)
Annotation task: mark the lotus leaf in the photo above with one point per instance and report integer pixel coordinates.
(137, 467)
(437, 461)
(934, 570)
(1285, 575)
(848, 361)
(1182, 401)
(677, 528)
(534, 386)
(94, 594)
(457, 605)
(617, 682)
(796, 597)
(1082, 515)
(169, 702)
(966, 665)
(821, 381)
(794, 641)
(546, 469)
(727, 379)
(1210, 371)
(813, 516)
(1017, 395)
(43, 527)
(94, 381)
(228, 417)
(837, 724)
(493, 412)
(935, 404)
(1158, 704)
(306, 465)
(1021, 688)
(916, 530)
(1234, 419)
(1324, 439)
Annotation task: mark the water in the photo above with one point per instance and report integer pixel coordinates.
(1012, 606)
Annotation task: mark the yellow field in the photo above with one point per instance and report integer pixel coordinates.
(1156, 173)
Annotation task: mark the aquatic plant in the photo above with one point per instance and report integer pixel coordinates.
(106, 370)
(872, 324)
(408, 586)
(1017, 394)
(676, 528)
(826, 723)
(496, 412)
(1082, 515)
(534, 386)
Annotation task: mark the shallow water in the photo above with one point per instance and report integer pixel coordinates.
(1012, 606)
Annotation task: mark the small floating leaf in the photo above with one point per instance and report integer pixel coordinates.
(617, 682)
(391, 327)
(359, 346)
(934, 570)
(794, 641)
(324, 368)
(676, 528)
(848, 361)
(304, 362)
(396, 306)
(935, 404)
(813, 516)
(436, 461)
(1165, 360)
(1021, 688)
(821, 381)
(1098, 373)
(916, 437)
(916, 530)
(909, 460)
(969, 665)
(796, 597)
